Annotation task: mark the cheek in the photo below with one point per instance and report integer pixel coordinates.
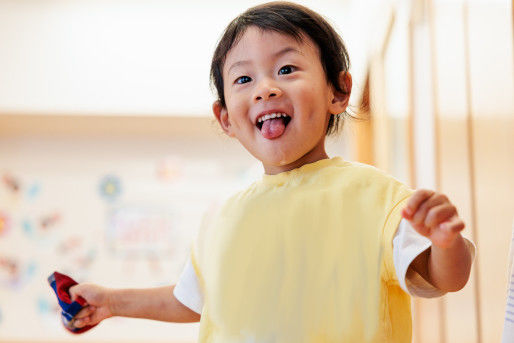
(236, 109)
(236, 99)
(313, 102)
(238, 113)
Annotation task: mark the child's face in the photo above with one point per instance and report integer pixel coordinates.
(268, 72)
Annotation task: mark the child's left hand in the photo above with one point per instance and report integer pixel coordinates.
(434, 216)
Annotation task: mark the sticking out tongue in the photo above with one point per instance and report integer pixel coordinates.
(273, 128)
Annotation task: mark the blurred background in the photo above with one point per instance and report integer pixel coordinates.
(109, 156)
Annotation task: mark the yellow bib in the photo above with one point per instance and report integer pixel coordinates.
(305, 256)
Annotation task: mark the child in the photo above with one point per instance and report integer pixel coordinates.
(319, 249)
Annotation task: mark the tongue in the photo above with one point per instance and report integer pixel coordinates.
(273, 128)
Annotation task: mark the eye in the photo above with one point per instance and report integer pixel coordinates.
(243, 79)
(286, 70)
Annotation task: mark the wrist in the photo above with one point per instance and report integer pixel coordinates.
(449, 244)
(113, 301)
(449, 267)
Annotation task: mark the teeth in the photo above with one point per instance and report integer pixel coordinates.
(271, 116)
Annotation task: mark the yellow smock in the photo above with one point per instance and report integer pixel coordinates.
(305, 256)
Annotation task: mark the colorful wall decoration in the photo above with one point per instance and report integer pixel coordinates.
(127, 220)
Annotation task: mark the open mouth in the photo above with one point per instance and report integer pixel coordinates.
(284, 118)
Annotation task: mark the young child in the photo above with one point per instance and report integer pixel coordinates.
(319, 249)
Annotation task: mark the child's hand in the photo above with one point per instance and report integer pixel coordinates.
(434, 216)
(98, 301)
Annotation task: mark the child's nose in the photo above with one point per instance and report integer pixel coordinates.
(267, 91)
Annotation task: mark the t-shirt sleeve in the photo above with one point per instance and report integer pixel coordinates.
(187, 289)
(407, 245)
(392, 222)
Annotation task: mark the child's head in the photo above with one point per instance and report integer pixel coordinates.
(283, 58)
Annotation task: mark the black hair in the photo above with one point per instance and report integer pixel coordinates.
(293, 20)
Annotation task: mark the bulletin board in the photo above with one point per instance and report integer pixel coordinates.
(117, 211)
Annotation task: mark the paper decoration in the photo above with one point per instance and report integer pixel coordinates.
(44, 306)
(140, 231)
(69, 245)
(508, 325)
(110, 187)
(27, 227)
(33, 191)
(11, 183)
(76, 254)
(14, 274)
(8, 268)
(42, 229)
(84, 260)
(48, 221)
(5, 224)
(169, 169)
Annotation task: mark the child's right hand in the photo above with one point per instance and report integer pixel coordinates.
(99, 304)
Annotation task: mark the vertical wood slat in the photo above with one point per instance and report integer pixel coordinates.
(471, 167)
(410, 150)
(416, 306)
(363, 147)
(452, 149)
(434, 331)
(436, 116)
(471, 163)
(411, 102)
(380, 123)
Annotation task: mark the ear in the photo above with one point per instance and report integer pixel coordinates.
(221, 115)
(339, 99)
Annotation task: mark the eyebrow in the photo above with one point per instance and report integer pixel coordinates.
(284, 51)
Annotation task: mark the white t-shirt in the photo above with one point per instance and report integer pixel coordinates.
(407, 245)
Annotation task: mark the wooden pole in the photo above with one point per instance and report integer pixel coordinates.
(471, 167)
(437, 138)
(410, 147)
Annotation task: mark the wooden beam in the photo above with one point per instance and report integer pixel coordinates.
(100, 125)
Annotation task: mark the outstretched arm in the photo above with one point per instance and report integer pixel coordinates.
(151, 303)
(447, 264)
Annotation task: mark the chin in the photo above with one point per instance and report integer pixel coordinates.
(285, 162)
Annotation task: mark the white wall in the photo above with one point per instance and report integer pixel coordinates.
(130, 57)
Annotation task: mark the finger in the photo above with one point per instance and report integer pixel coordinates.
(454, 225)
(439, 214)
(80, 323)
(98, 316)
(75, 292)
(415, 201)
(422, 229)
(86, 311)
(448, 232)
(419, 217)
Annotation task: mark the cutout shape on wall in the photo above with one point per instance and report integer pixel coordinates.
(27, 227)
(48, 221)
(5, 224)
(76, 253)
(11, 183)
(140, 231)
(43, 229)
(14, 274)
(33, 191)
(169, 169)
(110, 187)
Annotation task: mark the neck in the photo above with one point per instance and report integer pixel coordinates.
(316, 154)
